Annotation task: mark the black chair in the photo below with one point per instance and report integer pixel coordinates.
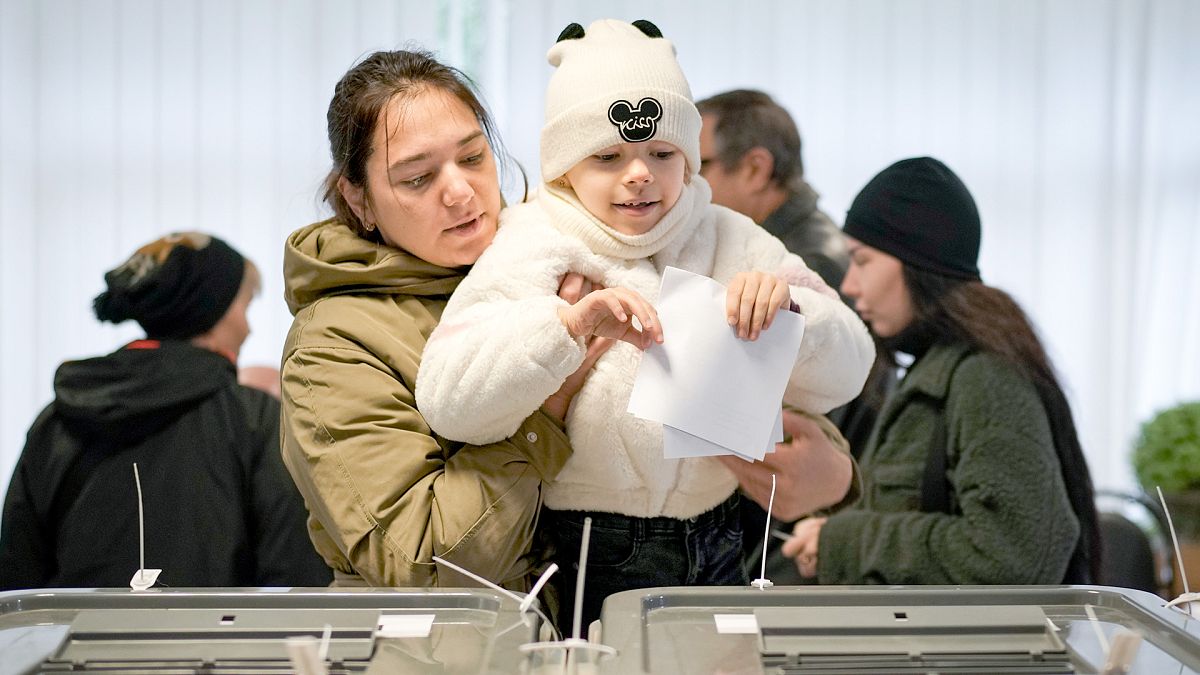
(1135, 543)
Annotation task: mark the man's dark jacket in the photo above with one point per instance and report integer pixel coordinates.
(811, 234)
(220, 509)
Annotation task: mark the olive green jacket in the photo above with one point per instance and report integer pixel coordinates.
(384, 493)
(1013, 522)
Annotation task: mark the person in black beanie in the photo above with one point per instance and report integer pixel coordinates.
(974, 473)
(176, 287)
(220, 508)
(921, 212)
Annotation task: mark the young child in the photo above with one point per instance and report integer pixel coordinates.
(621, 201)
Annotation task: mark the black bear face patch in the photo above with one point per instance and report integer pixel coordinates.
(636, 124)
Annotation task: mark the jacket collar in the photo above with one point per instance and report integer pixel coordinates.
(328, 258)
(798, 208)
(931, 374)
(927, 382)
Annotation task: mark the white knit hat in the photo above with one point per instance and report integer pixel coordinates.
(615, 83)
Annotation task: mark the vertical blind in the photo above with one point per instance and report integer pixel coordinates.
(1072, 121)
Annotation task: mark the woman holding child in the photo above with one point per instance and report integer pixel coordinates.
(416, 197)
(417, 201)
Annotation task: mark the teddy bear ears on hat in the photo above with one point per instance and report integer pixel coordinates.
(574, 31)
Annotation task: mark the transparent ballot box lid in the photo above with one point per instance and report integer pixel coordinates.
(892, 629)
(247, 630)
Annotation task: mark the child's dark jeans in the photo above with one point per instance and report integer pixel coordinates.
(626, 553)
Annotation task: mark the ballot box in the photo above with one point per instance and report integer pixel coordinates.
(246, 631)
(894, 629)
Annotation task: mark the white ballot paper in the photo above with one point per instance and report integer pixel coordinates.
(705, 381)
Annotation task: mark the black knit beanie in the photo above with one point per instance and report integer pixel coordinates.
(920, 212)
(176, 287)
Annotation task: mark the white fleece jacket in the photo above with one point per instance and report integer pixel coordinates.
(501, 350)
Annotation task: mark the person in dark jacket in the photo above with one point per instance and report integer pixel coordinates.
(220, 509)
(974, 473)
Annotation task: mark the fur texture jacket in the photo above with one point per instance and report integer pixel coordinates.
(501, 348)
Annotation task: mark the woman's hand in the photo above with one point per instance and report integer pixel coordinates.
(752, 301)
(609, 312)
(803, 545)
(560, 401)
(573, 288)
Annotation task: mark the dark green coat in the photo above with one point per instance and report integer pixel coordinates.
(1013, 521)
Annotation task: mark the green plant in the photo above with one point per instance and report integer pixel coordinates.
(1167, 452)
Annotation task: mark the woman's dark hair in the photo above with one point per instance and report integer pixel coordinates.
(359, 98)
(988, 320)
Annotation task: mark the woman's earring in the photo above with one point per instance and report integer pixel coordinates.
(369, 227)
(562, 183)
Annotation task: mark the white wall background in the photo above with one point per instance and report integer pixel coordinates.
(1074, 122)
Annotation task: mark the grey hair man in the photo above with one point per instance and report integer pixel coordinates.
(750, 156)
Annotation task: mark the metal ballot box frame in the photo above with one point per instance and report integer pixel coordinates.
(215, 631)
(890, 629)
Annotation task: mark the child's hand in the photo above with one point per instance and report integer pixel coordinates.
(609, 313)
(752, 301)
